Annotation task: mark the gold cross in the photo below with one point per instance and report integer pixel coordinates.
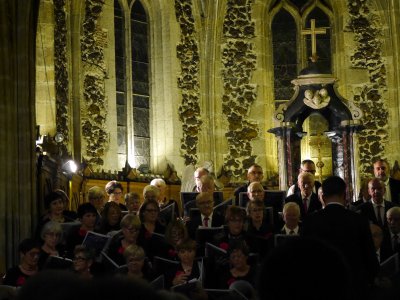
(313, 32)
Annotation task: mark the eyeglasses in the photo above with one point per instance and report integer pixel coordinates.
(256, 191)
(208, 203)
(79, 258)
(131, 229)
(117, 193)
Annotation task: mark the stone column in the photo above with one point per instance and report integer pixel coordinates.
(18, 206)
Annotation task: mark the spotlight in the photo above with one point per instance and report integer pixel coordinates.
(70, 167)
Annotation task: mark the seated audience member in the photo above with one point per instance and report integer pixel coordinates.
(130, 228)
(363, 195)
(49, 285)
(187, 268)
(70, 214)
(55, 207)
(239, 268)
(259, 230)
(291, 217)
(29, 251)
(162, 199)
(234, 219)
(376, 209)
(198, 173)
(137, 266)
(307, 166)
(257, 223)
(96, 198)
(347, 231)
(207, 217)
(391, 235)
(175, 233)
(256, 192)
(254, 174)
(392, 186)
(87, 215)
(114, 191)
(148, 214)
(205, 184)
(150, 192)
(52, 237)
(305, 197)
(83, 260)
(110, 218)
(330, 277)
(132, 203)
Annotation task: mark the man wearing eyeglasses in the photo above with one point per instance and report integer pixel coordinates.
(207, 217)
(307, 166)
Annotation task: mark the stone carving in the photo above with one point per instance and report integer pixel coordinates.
(188, 81)
(61, 71)
(371, 97)
(318, 99)
(94, 110)
(239, 63)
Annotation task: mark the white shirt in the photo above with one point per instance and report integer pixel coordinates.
(291, 190)
(388, 194)
(382, 210)
(287, 230)
(209, 220)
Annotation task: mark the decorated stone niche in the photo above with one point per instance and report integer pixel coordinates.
(372, 95)
(187, 52)
(239, 61)
(316, 92)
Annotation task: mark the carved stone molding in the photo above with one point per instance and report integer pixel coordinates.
(366, 24)
(239, 62)
(188, 81)
(94, 110)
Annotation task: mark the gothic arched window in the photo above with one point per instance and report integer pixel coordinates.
(291, 50)
(133, 108)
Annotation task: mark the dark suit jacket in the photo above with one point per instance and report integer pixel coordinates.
(394, 185)
(195, 222)
(367, 210)
(314, 205)
(386, 246)
(350, 234)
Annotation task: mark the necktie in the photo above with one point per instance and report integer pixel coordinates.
(395, 242)
(305, 205)
(291, 232)
(205, 221)
(378, 215)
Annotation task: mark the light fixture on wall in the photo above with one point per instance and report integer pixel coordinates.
(69, 167)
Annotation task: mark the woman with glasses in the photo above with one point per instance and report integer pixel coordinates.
(114, 191)
(137, 264)
(175, 233)
(152, 231)
(29, 250)
(82, 261)
(130, 227)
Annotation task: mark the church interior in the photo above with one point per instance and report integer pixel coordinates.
(132, 90)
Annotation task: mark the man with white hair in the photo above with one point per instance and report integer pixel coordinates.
(305, 197)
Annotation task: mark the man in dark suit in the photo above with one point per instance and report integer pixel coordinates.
(207, 217)
(391, 235)
(382, 172)
(305, 197)
(348, 232)
(375, 210)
